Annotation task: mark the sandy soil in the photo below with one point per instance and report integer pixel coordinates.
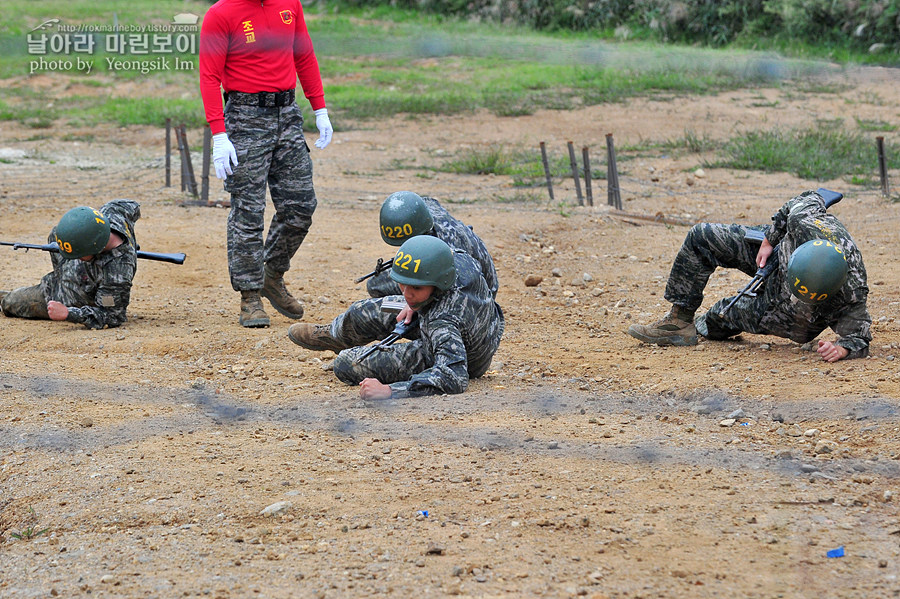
(139, 461)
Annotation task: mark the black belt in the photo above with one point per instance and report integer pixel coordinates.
(265, 99)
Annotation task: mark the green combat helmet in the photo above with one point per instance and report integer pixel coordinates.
(81, 232)
(816, 271)
(424, 260)
(404, 215)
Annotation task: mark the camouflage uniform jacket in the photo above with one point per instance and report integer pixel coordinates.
(801, 219)
(460, 330)
(459, 236)
(97, 293)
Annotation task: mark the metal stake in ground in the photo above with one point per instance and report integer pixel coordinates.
(575, 176)
(188, 166)
(882, 168)
(168, 152)
(614, 197)
(589, 195)
(546, 169)
(180, 143)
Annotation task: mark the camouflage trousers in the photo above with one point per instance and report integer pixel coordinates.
(271, 150)
(25, 302)
(707, 247)
(364, 322)
(382, 285)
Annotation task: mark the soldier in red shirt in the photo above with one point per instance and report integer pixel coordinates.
(255, 50)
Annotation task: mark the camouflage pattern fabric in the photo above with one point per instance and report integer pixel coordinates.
(25, 302)
(774, 311)
(98, 292)
(271, 150)
(456, 338)
(458, 236)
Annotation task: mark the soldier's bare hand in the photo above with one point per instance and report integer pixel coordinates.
(57, 311)
(831, 352)
(765, 250)
(374, 389)
(406, 315)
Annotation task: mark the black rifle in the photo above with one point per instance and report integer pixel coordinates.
(380, 267)
(399, 330)
(752, 288)
(52, 247)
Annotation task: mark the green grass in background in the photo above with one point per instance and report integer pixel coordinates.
(825, 152)
(419, 64)
(400, 62)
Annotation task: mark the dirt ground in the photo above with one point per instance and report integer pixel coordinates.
(139, 461)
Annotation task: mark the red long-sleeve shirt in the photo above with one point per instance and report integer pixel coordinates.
(255, 46)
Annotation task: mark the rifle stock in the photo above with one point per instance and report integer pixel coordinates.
(752, 288)
(176, 258)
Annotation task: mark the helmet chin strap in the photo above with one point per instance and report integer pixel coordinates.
(421, 305)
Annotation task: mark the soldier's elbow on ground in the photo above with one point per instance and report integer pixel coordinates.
(457, 386)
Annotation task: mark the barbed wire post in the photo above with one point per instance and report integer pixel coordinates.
(575, 176)
(168, 152)
(586, 158)
(547, 169)
(614, 196)
(882, 167)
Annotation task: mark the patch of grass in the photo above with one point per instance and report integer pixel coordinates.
(520, 197)
(872, 125)
(810, 86)
(491, 161)
(862, 180)
(820, 153)
(147, 111)
(31, 531)
(28, 533)
(525, 166)
(692, 143)
(867, 97)
(33, 110)
(74, 137)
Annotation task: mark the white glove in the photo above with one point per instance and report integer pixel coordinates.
(223, 155)
(323, 124)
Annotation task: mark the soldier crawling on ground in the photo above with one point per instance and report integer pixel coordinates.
(405, 214)
(92, 272)
(819, 282)
(456, 327)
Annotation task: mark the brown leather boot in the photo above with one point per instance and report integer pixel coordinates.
(316, 337)
(278, 295)
(675, 328)
(252, 313)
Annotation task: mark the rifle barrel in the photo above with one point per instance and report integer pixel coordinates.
(174, 258)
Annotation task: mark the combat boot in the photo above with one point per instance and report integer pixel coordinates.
(316, 337)
(675, 328)
(278, 295)
(252, 313)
